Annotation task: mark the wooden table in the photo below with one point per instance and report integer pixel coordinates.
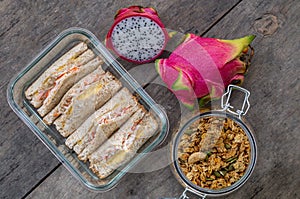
(29, 170)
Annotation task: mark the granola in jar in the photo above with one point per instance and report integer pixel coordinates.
(214, 152)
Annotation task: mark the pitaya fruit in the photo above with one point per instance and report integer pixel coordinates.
(137, 34)
(201, 68)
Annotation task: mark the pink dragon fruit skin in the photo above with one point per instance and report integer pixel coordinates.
(203, 67)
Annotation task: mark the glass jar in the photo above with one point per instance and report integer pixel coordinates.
(226, 113)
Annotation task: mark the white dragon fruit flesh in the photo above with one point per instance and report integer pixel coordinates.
(137, 34)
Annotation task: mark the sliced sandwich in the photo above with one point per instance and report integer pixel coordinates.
(55, 84)
(37, 92)
(66, 80)
(99, 126)
(124, 144)
(60, 63)
(82, 100)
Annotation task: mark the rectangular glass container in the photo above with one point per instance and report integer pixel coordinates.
(50, 136)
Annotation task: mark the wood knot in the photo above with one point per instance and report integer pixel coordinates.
(131, 192)
(266, 25)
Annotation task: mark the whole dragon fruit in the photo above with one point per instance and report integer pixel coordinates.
(202, 67)
(137, 34)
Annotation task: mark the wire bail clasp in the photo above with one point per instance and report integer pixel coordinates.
(184, 196)
(226, 105)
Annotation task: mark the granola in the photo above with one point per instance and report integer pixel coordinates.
(214, 152)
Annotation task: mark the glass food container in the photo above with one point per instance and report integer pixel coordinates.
(48, 133)
(227, 112)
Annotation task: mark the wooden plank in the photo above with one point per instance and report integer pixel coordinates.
(134, 186)
(273, 81)
(24, 159)
(26, 28)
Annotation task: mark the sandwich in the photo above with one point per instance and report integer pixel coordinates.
(63, 60)
(82, 100)
(99, 126)
(66, 80)
(37, 89)
(56, 83)
(124, 144)
(66, 102)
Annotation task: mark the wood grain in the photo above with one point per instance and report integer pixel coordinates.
(26, 27)
(24, 159)
(273, 81)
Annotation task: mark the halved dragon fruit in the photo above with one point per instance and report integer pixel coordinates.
(137, 34)
(202, 67)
